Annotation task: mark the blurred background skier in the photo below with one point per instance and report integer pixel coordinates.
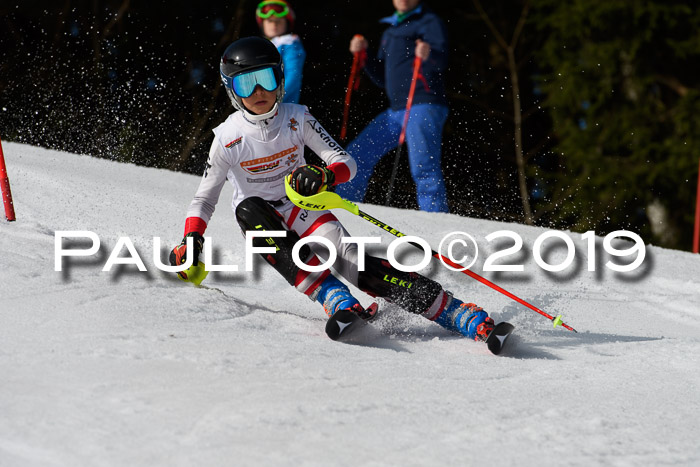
(276, 20)
(414, 31)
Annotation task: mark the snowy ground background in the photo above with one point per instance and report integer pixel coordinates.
(132, 368)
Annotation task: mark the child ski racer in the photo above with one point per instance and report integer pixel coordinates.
(259, 145)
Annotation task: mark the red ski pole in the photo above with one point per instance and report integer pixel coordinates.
(402, 137)
(330, 200)
(409, 102)
(5, 187)
(556, 320)
(358, 63)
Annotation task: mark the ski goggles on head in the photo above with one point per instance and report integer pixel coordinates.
(244, 84)
(272, 8)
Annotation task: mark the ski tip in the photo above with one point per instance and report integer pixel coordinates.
(498, 336)
(342, 324)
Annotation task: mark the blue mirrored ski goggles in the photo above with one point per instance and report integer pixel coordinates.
(244, 85)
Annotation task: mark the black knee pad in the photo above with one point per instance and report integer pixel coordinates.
(255, 213)
(410, 290)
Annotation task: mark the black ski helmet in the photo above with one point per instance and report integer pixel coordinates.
(246, 55)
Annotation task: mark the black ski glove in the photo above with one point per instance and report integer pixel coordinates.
(308, 180)
(179, 254)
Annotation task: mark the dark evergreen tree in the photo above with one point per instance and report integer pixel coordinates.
(624, 97)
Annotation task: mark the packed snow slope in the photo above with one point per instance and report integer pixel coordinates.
(138, 368)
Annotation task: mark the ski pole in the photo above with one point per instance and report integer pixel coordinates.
(402, 137)
(329, 200)
(358, 63)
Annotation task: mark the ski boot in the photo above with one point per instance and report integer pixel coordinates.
(467, 319)
(335, 296)
(345, 314)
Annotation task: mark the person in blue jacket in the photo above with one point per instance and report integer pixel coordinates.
(276, 21)
(414, 31)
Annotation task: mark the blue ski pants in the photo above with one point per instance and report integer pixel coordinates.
(423, 138)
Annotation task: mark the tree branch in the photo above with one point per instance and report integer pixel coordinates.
(673, 83)
(485, 17)
(122, 9)
(520, 25)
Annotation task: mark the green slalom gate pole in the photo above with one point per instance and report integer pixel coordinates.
(329, 200)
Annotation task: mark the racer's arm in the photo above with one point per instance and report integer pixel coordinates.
(331, 152)
(202, 207)
(204, 202)
(340, 166)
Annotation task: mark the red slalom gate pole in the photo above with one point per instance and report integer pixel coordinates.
(5, 186)
(696, 234)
